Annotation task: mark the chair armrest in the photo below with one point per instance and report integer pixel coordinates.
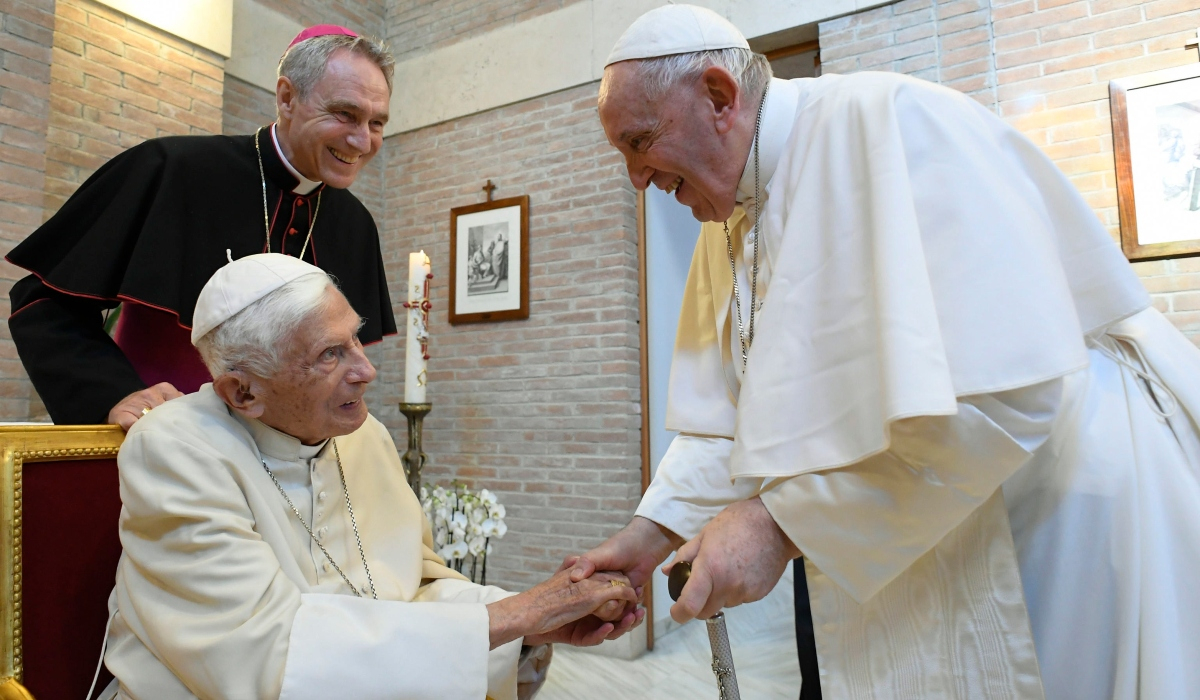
(10, 689)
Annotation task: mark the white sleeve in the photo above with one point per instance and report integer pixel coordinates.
(692, 485)
(864, 524)
(433, 648)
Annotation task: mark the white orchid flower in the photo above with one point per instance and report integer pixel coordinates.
(494, 528)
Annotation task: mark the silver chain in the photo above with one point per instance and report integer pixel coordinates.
(267, 218)
(748, 338)
(308, 529)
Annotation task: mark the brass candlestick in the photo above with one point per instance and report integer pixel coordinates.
(414, 458)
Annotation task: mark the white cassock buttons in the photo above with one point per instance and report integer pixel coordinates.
(322, 532)
(325, 567)
(321, 496)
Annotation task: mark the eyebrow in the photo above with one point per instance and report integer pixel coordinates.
(331, 341)
(626, 135)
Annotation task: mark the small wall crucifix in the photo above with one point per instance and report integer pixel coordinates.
(1194, 41)
(489, 187)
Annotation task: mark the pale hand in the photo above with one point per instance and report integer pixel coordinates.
(634, 551)
(560, 610)
(737, 558)
(129, 410)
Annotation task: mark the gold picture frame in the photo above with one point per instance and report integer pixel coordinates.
(1156, 148)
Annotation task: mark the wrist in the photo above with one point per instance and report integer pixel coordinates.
(789, 548)
(659, 538)
(506, 621)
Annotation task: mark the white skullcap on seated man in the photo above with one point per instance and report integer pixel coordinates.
(272, 547)
(908, 350)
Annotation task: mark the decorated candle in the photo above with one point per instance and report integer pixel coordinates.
(416, 353)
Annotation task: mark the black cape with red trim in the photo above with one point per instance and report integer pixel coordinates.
(151, 226)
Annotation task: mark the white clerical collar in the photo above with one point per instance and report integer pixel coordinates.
(279, 445)
(779, 116)
(306, 186)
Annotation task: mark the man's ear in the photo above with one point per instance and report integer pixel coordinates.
(723, 93)
(285, 97)
(239, 393)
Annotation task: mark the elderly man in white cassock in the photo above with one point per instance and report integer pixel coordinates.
(272, 547)
(909, 352)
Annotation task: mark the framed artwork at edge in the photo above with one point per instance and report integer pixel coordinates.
(1156, 144)
(489, 261)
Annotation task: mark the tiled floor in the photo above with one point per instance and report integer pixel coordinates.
(762, 636)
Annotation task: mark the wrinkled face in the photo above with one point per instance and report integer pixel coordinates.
(319, 392)
(680, 143)
(334, 131)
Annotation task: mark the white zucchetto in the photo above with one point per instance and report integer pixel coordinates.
(675, 29)
(241, 283)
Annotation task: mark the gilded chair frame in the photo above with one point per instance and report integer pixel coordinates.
(20, 444)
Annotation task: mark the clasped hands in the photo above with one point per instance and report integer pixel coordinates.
(737, 558)
(602, 605)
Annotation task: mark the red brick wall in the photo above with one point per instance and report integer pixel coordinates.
(246, 107)
(544, 411)
(360, 15)
(1043, 65)
(116, 82)
(26, 35)
(417, 26)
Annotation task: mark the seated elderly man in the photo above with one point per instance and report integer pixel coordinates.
(272, 547)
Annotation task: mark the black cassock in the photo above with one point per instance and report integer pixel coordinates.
(148, 229)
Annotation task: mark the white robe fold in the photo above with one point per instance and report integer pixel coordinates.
(221, 593)
(990, 506)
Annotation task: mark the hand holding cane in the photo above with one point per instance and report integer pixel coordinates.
(718, 636)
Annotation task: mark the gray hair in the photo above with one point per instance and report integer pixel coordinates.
(254, 339)
(661, 75)
(304, 63)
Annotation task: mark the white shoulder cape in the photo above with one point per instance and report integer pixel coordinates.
(927, 251)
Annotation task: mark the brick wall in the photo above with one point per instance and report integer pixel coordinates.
(545, 411)
(246, 107)
(360, 15)
(417, 26)
(1044, 66)
(116, 82)
(948, 43)
(26, 35)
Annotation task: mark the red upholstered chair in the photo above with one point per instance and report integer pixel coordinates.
(59, 546)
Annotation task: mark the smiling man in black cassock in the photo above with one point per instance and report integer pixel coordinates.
(150, 227)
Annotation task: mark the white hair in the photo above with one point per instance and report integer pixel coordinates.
(661, 75)
(255, 339)
(304, 63)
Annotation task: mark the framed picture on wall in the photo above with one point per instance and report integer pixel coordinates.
(1156, 142)
(489, 261)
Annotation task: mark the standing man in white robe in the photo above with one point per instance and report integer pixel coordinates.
(916, 358)
(272, 547)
